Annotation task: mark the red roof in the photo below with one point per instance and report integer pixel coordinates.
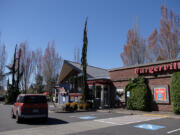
(75, 94)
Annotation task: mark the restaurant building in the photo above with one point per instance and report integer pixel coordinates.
(108, 86)
(158, 77)
(98, 80)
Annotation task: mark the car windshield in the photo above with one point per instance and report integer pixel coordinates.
(33, 99)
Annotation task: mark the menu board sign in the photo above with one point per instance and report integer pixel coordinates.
(161, 94)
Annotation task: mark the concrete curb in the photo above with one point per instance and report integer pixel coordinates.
(58, 109)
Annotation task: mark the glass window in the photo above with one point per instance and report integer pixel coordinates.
(72, 99)
(98, 91)
(34, 99)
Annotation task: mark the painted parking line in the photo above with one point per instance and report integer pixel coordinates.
(149, 126)
(124, 120)
(157, 115)
(90, 115)
(169, 132)
(93, 114)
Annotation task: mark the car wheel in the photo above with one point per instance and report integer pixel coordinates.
(18, 119)
(12, 114)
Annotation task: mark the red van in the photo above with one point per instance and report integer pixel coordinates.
(29, 106)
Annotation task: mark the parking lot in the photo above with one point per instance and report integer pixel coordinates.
(88, 123)
(7, 123)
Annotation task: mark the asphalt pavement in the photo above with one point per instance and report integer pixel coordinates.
(7, 123)
(169, 128)
(91, 123)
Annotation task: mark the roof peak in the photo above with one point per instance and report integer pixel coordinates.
(87, 65)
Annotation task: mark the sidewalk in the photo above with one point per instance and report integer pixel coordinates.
(55, 107)
(135, 112)
(58, 108)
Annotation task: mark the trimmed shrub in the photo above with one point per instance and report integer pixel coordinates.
(86, 106)
(140, 95)
(70, 107)
(74, 106)
(67, 106)
(175, 92)
(80, 106)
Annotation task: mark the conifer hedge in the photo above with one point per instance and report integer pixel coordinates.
(175, 92)
(140, 95)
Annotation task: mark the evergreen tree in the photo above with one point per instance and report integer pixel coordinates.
(84, 64)
(175, 93)
(13, 89)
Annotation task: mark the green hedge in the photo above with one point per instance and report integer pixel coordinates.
(140, 95)
(175, 92)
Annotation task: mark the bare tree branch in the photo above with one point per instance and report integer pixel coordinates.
(27, 64)
(134, 49)
(51, 66)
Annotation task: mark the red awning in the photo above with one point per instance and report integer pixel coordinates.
(75, 94)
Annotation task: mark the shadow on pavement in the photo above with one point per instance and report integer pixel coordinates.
(50, 121)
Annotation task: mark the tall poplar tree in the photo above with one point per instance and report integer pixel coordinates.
(84, 64)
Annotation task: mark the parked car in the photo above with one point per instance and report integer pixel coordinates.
(28, 106)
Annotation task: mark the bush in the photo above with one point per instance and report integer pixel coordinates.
(140, 96)
(74, 106)
(86, 106)
(175, 92)
(80, 106)
(70, 107)
(67, 106)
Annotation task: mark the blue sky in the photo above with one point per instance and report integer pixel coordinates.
(40, 21)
